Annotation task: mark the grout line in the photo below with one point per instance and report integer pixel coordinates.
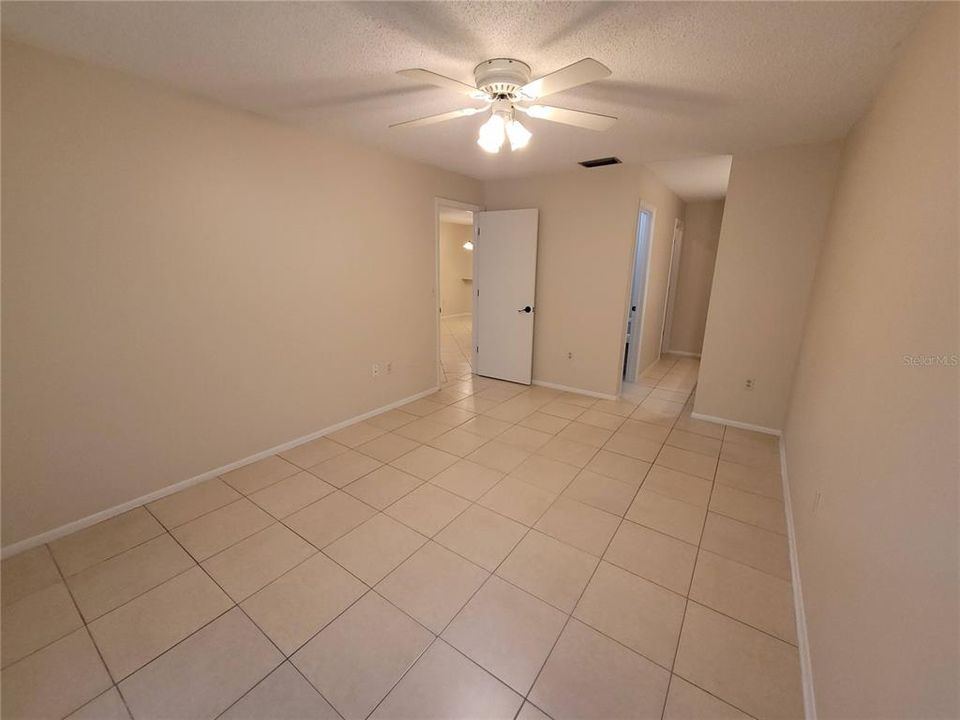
(144, 592)
(86, 628)
(570, 614)
(438, 636)
(283, 662)
(582, 592)
(747, 522)
(311, 684)
(769, 634)
(113, 686)
(687, 601)
(251, 689)
(237, 606)
(110, 557)
(63, 578)
(170, 529)
(230, 597)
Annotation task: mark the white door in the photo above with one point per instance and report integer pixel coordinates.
(505, 281)
(638, 293)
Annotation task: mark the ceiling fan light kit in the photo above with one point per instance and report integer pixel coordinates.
(491, 133)
(503, 123)
(505, 85)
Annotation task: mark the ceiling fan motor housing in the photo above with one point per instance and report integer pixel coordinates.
(502, 78)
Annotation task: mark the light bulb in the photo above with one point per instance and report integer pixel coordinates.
(468, 245)
(518, 134)
(489, 144)
(491, 134)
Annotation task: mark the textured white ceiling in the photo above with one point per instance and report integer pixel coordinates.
(689, 79)
(703, 178)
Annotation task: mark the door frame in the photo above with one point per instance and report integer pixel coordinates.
(644, 207)
(438, 204)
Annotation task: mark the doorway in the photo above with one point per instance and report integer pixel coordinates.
(455, 262)
(672, 282)
(638, 291)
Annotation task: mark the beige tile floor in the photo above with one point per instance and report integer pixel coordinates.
(456, 339)
(520, 552)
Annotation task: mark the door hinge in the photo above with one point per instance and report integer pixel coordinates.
(478, 348)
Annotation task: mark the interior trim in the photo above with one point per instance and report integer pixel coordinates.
(581, 391)
(806, 668)
(737, 424)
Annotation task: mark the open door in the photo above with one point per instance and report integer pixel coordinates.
(505, 284)
(638, 295)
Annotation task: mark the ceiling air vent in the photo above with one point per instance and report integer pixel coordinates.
(600, 162)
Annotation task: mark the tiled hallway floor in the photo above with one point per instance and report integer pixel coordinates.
(456, 338)
(492, 551)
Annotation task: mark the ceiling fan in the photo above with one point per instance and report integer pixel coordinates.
(505, 85)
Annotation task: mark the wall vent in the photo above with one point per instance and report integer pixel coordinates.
(600, 162)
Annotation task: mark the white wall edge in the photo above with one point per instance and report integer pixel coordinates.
(59, 532)
(806, 668)
(580, 391)
(683, 353)
(737, 424)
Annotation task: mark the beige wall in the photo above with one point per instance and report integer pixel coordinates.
(587, 236)
(185, 285)
(698, 256)
(875, 435)
(773, 223)
(456, 263)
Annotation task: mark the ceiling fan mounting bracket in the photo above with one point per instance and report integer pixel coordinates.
(502, 78)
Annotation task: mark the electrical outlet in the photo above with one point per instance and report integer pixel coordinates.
(748, 384)
(375, 370)
(388, 367)
(569, 356)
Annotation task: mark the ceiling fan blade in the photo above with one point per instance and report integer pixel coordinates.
(577, 118)
(441, 81)
(581, 72)
(431, 119)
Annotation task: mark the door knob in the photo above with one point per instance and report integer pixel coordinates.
(525, 309)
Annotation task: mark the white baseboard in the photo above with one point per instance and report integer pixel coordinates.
(51, 535)
(736, 424)
(684, 353)
(455, 315)
(579, 391)
(806, 669)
